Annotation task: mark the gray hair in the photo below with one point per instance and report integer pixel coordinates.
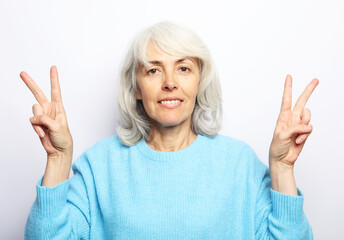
(179, 41)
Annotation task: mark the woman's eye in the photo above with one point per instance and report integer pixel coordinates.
(153, 71)
(184, 69)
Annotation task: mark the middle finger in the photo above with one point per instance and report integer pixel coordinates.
(302, 100)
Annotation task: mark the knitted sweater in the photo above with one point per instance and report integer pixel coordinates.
(216, 188)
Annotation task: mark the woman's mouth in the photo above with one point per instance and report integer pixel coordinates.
(170, 103)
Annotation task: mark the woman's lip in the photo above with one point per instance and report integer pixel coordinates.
(170, 99)
(172, 105)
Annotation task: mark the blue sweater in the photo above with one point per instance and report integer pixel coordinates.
(216, 188)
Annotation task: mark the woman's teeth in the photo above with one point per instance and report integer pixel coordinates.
(170, 102)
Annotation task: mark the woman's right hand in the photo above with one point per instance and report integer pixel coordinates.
(50, 124)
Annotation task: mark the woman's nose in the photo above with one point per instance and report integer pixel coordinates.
(169, 83)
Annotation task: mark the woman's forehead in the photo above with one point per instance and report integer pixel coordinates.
(156, 55)
(153, 52)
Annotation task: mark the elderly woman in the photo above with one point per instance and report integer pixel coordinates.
(168, 174)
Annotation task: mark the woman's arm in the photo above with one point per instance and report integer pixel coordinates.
(61, 209)
(277, 215)
(291, 132)
(50, 123)
(61, 212)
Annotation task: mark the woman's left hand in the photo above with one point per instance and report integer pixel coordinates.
(293, 128)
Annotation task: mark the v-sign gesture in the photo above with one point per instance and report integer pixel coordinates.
(291, 132)
(50, 123)
(293, 128)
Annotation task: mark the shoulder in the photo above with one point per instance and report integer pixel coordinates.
(229, 144)
(100, 152)
(238, 151)
(106, 145)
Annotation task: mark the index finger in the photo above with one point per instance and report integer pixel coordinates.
(55, 85)
(287, 94)
(36, 91)
(302, 100)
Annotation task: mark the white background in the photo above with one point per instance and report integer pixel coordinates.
(254, 44)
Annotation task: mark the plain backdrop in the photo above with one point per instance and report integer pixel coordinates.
(255, 44)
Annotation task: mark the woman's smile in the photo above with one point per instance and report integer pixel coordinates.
(170, 102)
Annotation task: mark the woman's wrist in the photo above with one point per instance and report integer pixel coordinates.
(282, 178)
(57, 169)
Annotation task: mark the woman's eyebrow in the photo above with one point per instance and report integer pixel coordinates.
(184, 59)
(177, 61)
(155, 62)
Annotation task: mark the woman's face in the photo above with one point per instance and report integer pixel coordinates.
(168, 87)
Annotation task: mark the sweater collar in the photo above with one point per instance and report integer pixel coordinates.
(169, 156)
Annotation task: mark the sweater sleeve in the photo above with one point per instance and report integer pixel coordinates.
(61, 212)
(280, 216)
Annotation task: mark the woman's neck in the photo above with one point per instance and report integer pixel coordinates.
(170, 139)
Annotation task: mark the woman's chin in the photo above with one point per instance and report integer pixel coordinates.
(169, 123)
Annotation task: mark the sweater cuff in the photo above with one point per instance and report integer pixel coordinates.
(50, 201)
(287, 208)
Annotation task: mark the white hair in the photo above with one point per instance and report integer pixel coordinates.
(179, 41)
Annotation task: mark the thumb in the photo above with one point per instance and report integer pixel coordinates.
(297, 130)
(43, 120)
